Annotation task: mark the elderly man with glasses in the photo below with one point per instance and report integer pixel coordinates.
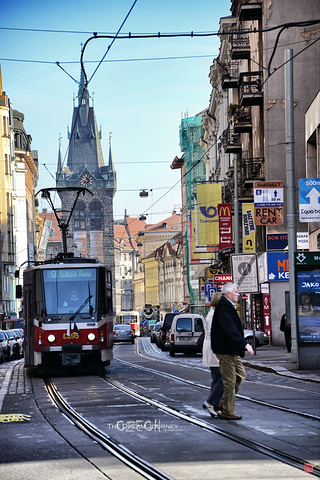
(229, 344)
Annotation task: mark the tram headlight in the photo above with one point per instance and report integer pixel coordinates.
(91, 337)
(51, 338)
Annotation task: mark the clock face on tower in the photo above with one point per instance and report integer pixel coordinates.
(86, 180)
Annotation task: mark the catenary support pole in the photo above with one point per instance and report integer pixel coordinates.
(236, 206)
(291, 210)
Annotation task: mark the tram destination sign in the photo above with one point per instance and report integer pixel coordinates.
(268, 203)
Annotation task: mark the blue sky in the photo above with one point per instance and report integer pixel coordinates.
(141, 101)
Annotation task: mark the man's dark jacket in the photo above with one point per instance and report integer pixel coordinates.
(227, 331)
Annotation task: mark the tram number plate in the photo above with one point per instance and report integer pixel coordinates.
(71, 359)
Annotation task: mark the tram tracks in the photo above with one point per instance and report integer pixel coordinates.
(129, 385)
(122, 453)
(139, 464)
(253, 445)
(205, 387)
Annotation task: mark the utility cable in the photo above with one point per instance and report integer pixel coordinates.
(108, 49)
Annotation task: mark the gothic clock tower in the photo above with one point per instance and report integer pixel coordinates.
(91, 227)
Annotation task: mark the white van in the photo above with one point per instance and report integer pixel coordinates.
(185, 330)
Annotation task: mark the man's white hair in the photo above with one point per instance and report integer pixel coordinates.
(228, 287)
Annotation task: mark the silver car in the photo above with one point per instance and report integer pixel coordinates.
(261, 338)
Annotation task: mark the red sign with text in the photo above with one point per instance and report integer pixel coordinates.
(225, 225)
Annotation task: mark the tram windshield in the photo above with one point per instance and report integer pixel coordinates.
(66, 290)
(128, 317)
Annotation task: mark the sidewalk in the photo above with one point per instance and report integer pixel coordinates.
(278, 360)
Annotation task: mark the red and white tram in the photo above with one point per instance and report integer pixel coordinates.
(62, 333)
(132, 318)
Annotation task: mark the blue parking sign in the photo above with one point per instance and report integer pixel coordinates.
(209, 290)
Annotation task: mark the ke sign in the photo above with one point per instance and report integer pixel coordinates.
(278, 267)
(268, 203)
(309, 200)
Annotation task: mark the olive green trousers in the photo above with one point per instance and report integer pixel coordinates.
(233, 375)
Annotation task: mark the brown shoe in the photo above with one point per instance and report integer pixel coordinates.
(229, 417)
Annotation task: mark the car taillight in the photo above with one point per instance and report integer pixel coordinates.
(172, 336)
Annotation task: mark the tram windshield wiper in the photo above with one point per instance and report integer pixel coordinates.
(80, 308)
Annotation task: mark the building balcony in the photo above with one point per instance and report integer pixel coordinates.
(243, 121)
(251, 170)
(240, 46)
(250, 11)
(251, 89)
(231, 141)
(230, 75)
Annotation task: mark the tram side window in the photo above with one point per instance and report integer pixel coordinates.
(38, 293)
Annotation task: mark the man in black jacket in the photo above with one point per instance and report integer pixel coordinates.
(229, 344)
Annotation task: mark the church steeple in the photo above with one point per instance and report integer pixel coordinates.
(110, 164)
(59, 165)
(83, 92)
(84, 139)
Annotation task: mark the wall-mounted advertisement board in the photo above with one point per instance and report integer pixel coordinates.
(308, 297)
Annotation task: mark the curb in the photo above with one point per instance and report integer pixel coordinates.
(280, 371)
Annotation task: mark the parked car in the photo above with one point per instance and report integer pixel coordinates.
(164, 332)
(260, 337)
(17, 343)
(2, 357)
(122, 332)
(7, 345)
(184, 333)
(154, 331)
(20, 339)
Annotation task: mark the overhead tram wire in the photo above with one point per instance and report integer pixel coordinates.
(304, 23)
(108, 49)
(146, 59)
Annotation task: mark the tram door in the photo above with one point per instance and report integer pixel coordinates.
(28, 326)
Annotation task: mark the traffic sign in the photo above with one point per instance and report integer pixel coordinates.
(268, 203)
(245, 272)
(209, 290)
(309, 200)
(175, 308)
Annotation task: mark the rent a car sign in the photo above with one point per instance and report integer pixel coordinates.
(268, 203)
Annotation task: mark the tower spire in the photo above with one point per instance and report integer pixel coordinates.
(59, 166)
(110, 164)
(83, 92)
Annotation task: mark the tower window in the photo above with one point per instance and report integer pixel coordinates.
(95, 216)
(79, 216)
